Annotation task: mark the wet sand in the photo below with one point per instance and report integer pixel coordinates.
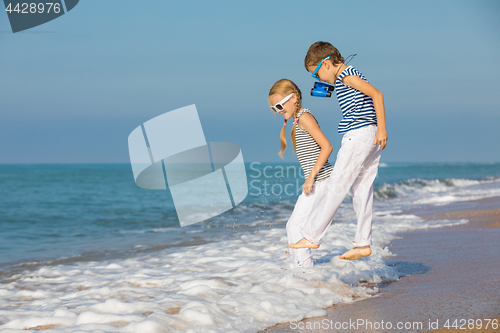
(449, 273)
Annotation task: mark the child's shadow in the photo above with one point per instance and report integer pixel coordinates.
(406, 268)
(403, 268)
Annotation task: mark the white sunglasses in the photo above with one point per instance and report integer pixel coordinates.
(278, 107)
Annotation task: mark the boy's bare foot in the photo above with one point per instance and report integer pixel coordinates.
(357, 252)
(303, 243)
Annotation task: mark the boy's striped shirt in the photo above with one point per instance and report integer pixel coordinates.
(357, 108)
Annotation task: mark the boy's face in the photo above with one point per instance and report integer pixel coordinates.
(324, 72)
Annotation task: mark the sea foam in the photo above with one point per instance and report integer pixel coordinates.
(240, 285)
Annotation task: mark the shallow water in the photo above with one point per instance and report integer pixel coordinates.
(83, 245)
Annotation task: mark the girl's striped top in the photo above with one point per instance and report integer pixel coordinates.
(308, 150)
(357, 108)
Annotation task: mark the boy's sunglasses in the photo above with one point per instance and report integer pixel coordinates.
(314, 75)
(278, 107)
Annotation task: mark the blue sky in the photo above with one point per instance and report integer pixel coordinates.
(73, 89)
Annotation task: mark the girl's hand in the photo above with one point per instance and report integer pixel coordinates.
(381, 138)
(308, 186)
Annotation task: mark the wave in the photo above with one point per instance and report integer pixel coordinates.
(441, 190)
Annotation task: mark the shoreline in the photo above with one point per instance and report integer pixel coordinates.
(445, 275)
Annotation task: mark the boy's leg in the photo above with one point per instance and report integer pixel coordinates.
(346, 169)
(362, 199)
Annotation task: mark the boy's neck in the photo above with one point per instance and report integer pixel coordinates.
(338, 70)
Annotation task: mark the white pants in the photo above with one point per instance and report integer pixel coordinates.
(355, 168)
(305, 206)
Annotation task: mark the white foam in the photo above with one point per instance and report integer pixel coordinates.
(241, 285)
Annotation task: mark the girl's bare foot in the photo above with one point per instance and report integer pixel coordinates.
(356, 253)
(303, 243)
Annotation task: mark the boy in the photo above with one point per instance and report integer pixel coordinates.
(365, 136)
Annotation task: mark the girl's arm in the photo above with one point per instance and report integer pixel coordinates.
(378, 102)
(308, 123)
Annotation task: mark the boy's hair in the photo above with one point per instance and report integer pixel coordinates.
(286, 87)
(320, 50)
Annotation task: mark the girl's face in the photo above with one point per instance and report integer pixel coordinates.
(289, 106)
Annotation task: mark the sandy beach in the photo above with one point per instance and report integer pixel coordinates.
(450, 277)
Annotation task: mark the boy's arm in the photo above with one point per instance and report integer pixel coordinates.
(378, 102)
(308, 123)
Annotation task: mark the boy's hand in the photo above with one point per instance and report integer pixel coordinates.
(308, 186)
(381, 138)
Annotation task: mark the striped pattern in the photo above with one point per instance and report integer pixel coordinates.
(308, 150)
(357, 108)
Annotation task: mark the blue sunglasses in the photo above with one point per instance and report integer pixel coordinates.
(314, 75)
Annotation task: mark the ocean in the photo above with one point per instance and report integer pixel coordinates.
(83, 247)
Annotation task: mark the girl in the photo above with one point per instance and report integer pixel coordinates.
(312, 149)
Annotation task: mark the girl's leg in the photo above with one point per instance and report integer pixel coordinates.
(303, 208)
(298, 257)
